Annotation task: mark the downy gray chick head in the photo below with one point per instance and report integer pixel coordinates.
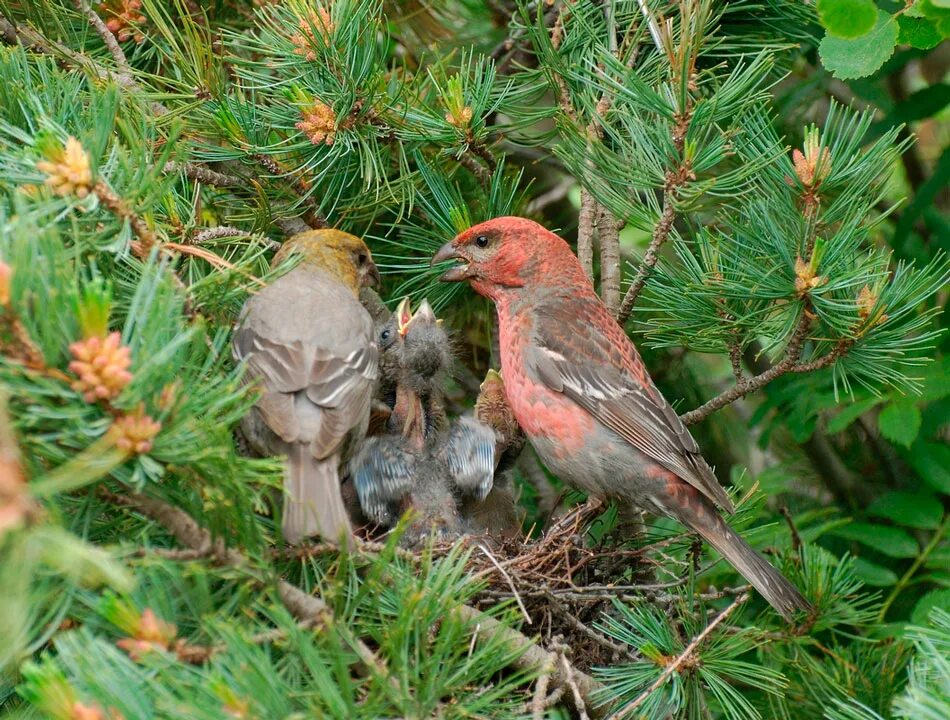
(426, 352)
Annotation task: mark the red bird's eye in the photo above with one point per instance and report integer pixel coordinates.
(481, 241)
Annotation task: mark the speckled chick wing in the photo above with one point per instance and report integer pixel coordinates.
(309, 344)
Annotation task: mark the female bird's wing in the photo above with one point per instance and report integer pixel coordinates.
(602, 372)
(469, 456)
(311, 394)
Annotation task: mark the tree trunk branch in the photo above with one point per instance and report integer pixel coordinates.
(608, 229)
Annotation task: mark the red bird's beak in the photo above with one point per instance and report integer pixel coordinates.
(453, 274)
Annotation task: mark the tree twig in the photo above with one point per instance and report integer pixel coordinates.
(586, 630)
(475, 167)
(184, 528)
(507, 577)
(793, 352)
(660, 234)
(568, 671)
(121, 209)
(107, 36)
(687, 654)
(538, 702)
(203, 174)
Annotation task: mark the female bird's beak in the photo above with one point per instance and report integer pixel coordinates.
(370, 275)
(453, 274)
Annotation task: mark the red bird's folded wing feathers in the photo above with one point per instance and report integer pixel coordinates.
(571, 357)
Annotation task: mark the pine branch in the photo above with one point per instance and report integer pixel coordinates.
(793, 352)
(533, 656)
(686, 655)
(121, 209)
(304, 607)
(475, 167)
(107, 37)
(203, 174)
(34, 40)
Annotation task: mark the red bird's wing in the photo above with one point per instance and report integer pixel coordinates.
(597, 371)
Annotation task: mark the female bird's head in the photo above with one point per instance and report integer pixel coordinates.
(506, 253)
(345, 256)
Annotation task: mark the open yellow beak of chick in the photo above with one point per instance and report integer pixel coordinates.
(403, 316)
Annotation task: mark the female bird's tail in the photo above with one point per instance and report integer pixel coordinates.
(313, 504)
(699, 515)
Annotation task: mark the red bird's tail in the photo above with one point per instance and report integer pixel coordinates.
(700, 515)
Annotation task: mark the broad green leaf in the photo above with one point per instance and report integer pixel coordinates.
(900, 421)
(916, 510)
(847, 18)
(920, 32)
(932, 462)
(851, 413)
(874, 574)
(889, 541)
(935, 598)
(859, 57)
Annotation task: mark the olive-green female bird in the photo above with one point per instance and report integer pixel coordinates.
(309, 343)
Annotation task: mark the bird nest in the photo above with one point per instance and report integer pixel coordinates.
(562, 586)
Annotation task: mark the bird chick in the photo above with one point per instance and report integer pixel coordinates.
(393, 475)
(425, 363)
(492, 409)
(420, 464)
(390, 329)
(308, 343)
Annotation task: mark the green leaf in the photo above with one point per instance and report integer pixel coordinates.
(936, 380)
(921, 33)
(932, 462)
(916, 510)
(861, 56)
(873, 574)
(935, 598)
(922, 104)
(889, 541)
(900, 422)
(847, 18)
(851, 413)
(937, 11)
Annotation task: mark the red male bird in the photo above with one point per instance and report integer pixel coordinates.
(580, 391)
